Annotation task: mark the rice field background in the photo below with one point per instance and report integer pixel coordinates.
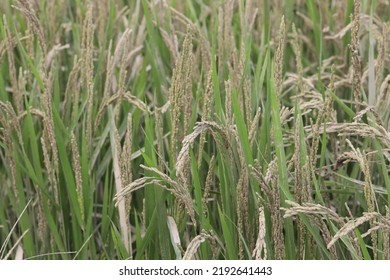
(196, 129)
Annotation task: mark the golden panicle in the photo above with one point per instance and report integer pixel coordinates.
(351, 225)
(180, 88)
(180, 191)
(228, 40)
(127, 96)
(42, 224)
(269, 185)
(133, 100)
(102, 18)
(194, 245)
(28, 12)
(87, 65)
(46, 149)
(316, 212)
(279, 57)
(360, 157)
(276, 218)
(386, 239)
(355, 56)
(369, 194)
(242, 193)
(260, 251)
(8, 143)
(123, 63)
(379, 60)
(188, 98)
(311, 209)
(77, 171)
(49, 132)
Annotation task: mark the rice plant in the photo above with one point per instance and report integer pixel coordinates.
(200, 129)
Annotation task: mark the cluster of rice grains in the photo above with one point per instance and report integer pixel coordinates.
(194, 130)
